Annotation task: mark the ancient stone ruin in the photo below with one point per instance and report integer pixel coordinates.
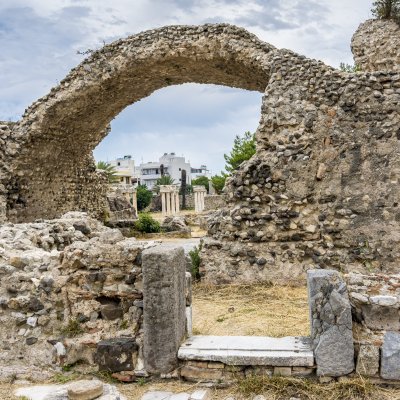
(318, 203)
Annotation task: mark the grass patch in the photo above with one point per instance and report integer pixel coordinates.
(72, 329)
(257, 310)
(65, 378)
(282, 388)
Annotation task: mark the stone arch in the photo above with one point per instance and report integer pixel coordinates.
(53, 170)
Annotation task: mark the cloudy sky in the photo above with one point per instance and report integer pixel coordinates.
(40, 40)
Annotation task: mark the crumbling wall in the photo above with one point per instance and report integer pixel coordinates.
(321, 190)
(376, 46)
(70, 294)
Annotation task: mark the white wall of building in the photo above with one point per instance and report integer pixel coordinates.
(125, 169)
(173, 166)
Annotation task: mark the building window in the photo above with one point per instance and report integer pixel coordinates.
(119, 164)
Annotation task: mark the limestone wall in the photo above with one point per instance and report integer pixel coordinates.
(70, 294)
(376, 46)
(214, 202)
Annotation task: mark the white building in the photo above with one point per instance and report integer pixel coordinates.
(126, 170)
(173, 166)
(202, 171)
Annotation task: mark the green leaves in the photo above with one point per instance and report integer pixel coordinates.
(109, 170)
(243, 149)
(144, 197)
(386, 9)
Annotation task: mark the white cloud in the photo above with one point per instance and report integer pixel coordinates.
(40, 40)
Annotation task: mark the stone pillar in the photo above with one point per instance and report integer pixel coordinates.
(164, 306)
(331, 323)
(163, 202)
(199, 194)
(168, 201)
(177, 200)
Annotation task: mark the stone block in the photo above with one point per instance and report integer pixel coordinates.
(390, 361)
(331, 323)
(116, 355)
(85, 390)
(201, 374)
(368, 360)
(283, 371)
(380, 317)
(164, 305)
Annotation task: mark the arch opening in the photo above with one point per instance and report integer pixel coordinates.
(61, 130)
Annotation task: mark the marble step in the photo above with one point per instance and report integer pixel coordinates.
(249, 350)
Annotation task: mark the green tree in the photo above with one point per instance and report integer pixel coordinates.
(164, 180)
(218, 182)
(201, 180)
(144, 197)
(386, 9)
(349, 68)
(244, 147)
(109, 170)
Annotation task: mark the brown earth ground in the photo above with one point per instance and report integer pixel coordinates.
(252, 310)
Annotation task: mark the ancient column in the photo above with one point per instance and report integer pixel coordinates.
(163, 193)
(177, 200)
(199, 193)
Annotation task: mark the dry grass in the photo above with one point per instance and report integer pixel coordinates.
(279, 388)
(256, 310)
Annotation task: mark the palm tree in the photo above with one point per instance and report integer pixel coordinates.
(109, 170)
(164, 180)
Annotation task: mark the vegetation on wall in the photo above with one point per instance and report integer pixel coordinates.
(144, 197)
(386, 9)
(349, 68)
(109, 170)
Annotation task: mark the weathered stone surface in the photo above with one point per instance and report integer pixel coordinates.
(175, 223)
(60, 392)
(368, 360)
(85, 390)
(164, 305)
(156, 395)
(375, 46)
(203, 394)
(115, 355)
(331, 323)
(390, 359)
(249, 350)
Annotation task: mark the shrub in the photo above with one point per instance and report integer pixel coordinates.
(144, 197)
(196, 259)
(147, 224)
(386, 9)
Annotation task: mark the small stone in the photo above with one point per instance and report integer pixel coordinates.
(385, 301)
(85, 390)
(325, 379)
(368, 360)
(31, 340)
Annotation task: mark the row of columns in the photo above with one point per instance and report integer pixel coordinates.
(169, 199)
(199, 193)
